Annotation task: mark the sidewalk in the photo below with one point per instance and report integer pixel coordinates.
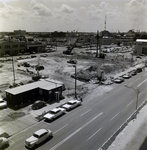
(10, 128)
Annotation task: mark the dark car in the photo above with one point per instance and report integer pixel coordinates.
(133, 72)
(138, 56)
(139, 70)
(38, 104)
(72, 61)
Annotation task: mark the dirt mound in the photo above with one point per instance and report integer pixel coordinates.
(108, 68)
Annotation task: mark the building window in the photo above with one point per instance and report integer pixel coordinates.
(40, 92)
(22, 45)
(14, 46)
(7, 46)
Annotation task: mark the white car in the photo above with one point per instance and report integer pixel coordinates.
(38, 137)
(3, 104)
(54, 113)
(72, 104)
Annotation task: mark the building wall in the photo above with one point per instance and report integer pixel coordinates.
(141, 48)
(31, 96)
(22, 98)
(11, 48)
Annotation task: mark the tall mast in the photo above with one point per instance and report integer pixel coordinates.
(105, 22)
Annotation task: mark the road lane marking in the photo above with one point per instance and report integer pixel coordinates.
(144, 75)
(137, 79)
(142, 82)
(115, 116)
(60, 129)
(68, 137)
(94, 134)
(85, 112)
(11, 142)
(140, 93)
(130, 103)
(130, 84)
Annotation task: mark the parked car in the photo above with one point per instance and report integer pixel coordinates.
(133, 72)
(3, 142)
(54, 113)
(138, 56)
(38, 104)
(139, 70)
(43, 55)
(126, 76)
(118, 80)
(72, 61)
(71, 104)
(38, 137)
(3, 104)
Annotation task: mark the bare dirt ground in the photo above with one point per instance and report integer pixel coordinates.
(56, 67)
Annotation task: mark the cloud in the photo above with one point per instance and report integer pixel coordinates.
(40, 9)
(83, 8)
(2, 4)
(103, 5)
(67, 9)
(92, 7)
(94, 14)
(137, 12)
(7, 11)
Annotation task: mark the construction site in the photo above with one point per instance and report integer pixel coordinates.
(90, 66)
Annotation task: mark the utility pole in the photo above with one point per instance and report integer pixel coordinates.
(75, 82)
(97, 38)
(13, 69)
(137, 93)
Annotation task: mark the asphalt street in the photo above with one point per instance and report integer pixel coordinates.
(89, 126)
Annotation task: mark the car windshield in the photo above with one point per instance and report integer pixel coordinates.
(53, 112)
(35, 135)
(1, 101)
(70, 103)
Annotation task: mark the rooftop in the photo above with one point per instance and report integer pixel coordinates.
(43, 84)
(141, 40)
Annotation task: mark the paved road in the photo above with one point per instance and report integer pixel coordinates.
(90, 125)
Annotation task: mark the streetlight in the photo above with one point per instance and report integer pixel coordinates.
(137, 93)
(13, 68)
(75, 80)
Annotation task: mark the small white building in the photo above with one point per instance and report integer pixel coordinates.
(141, 46)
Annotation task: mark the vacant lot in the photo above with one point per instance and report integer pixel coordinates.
(56, 67)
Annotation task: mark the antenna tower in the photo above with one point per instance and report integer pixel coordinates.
(105, 22)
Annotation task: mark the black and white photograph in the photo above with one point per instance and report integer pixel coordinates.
(73, 74)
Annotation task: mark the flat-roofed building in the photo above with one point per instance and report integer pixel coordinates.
(141, 46)
(12, 47)
(40, 90)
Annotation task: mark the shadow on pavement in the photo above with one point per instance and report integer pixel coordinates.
(144, 145)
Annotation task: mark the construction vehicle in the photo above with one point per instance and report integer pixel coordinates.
(70, 48)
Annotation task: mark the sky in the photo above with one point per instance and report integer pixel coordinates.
(73, 15)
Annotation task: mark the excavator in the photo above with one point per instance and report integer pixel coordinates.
(70, 48)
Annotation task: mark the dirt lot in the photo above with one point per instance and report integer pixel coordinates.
(56, 67)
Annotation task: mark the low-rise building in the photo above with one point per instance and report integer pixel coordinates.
(46, 90)
(141, 46)
(12, 47)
